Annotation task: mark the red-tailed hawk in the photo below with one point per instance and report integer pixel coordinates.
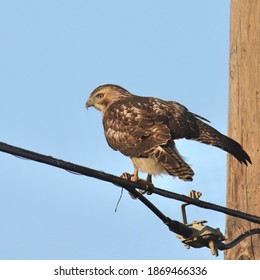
(144, 129)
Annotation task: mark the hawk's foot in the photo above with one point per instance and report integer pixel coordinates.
(147, 184)
(126, 176)
(129, 177)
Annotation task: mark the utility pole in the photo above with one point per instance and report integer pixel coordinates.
(243, 183)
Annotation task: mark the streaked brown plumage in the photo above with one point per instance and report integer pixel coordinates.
(144, 129)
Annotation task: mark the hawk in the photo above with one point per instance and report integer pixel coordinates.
(145, 128)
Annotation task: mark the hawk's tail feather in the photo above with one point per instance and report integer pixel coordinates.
(173, 163)
(209, 135)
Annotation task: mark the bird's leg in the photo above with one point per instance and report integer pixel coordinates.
(149, 183)
(135, 177)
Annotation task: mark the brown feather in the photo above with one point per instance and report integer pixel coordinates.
(173, 163)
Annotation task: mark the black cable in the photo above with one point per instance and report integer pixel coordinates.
(129, 185)
(226, 246)
(173, 225)
(208, 205)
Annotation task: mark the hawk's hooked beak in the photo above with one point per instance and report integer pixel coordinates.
(89, 103)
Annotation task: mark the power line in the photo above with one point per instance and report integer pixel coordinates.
(129, 185)
(241, 237)
(196, 235)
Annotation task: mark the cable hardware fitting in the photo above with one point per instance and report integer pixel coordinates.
(202, 236)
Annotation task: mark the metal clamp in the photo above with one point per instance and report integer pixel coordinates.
(202, 236)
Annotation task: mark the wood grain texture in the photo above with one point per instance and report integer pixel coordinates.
(243, 183)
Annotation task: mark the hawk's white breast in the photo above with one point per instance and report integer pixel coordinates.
(149, 165)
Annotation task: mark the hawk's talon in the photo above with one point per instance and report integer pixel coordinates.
(126, 176)
(148, 186)
(133, 196)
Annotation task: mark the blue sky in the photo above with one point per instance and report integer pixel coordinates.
(52, 55)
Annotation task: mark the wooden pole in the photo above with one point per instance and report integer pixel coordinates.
(243, 183)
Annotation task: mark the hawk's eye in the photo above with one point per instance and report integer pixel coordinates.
(100, 95)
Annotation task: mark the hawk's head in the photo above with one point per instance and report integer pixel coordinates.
(103, 96)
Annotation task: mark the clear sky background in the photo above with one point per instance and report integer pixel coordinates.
(52, 55)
